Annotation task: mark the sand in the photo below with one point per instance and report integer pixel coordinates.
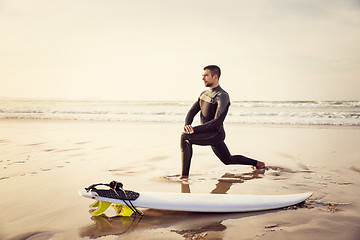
(43, 164)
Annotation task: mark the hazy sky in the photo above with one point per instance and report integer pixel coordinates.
(156, 49)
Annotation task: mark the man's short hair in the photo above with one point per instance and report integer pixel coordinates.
(214, 70)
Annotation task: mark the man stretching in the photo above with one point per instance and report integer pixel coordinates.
(213, 105)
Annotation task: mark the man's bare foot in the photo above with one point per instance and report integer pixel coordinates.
(260, 165)
(184, 177)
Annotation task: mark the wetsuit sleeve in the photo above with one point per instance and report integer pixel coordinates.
(192, 112)
(223, 103)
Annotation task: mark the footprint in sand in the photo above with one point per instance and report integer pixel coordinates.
(123, 171)
(68, 150)
(281, 169)
(35, 235)
(49, 150)
(17, 162)
(240, 178)
(325, 205)
(81, 143)
(34, 144)
(357, 170)
(278, 172)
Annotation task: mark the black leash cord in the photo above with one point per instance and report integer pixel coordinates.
(132, 206)
(116, 186)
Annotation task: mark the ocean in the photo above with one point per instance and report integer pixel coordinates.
(329, 113)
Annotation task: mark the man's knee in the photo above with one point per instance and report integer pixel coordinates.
(184, 141)
(227, 161)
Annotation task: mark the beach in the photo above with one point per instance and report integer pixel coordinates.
(44, 163)
(99, 91)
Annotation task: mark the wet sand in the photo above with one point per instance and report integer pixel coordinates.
(43, 164)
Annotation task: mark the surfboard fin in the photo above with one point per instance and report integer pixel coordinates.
(123, 210)
(95, 204)
(101, 207)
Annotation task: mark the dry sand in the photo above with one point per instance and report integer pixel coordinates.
(43, 164)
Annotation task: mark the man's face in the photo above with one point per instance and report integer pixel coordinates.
(208, 79)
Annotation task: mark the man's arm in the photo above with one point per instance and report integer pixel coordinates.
(188, 129)
(192, 112)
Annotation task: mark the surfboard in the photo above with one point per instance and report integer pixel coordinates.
(190, 202)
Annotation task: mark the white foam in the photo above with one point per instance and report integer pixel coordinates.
(295, 113)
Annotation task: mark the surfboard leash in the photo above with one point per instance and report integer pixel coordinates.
(117, 187)
(114, 185)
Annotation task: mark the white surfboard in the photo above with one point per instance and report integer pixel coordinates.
(200, 202)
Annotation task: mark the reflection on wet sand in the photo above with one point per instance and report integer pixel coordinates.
(198, 233)
(105, 226)
(228, 179)
(187, 224)
(185, 187)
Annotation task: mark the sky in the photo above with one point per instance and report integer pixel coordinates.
(274, 50)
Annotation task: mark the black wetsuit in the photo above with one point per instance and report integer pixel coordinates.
(213, 105)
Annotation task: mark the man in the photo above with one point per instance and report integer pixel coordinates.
(213, 105)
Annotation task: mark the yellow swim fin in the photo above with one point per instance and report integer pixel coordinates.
(95, 204)
(101, 207)
(123, 210)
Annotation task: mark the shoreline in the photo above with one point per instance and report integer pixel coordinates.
(269, 125)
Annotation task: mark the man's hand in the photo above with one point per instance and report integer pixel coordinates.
(188, 129)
